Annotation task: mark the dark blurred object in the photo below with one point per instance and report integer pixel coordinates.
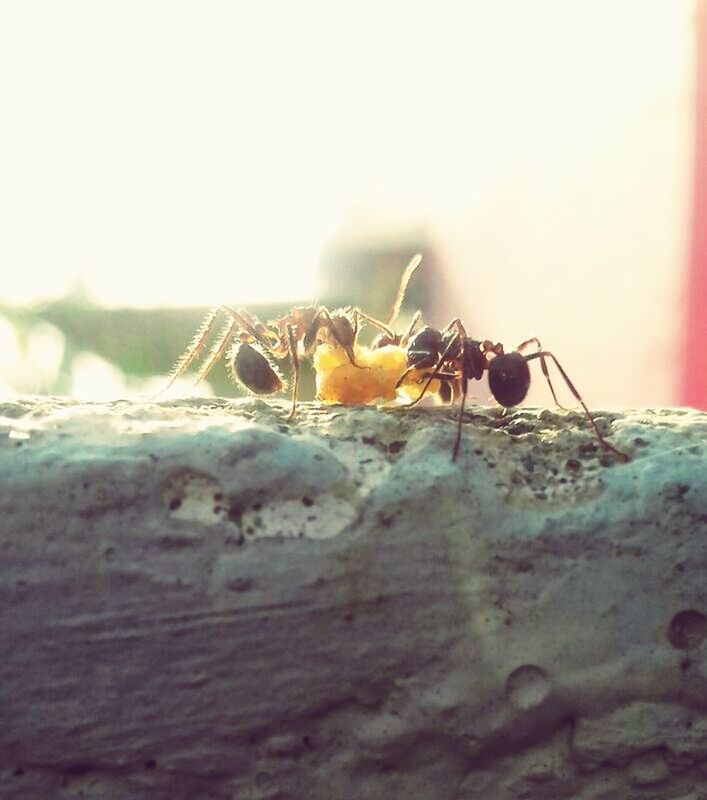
(694, 377)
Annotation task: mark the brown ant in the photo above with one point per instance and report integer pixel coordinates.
(251, 360)
(454, 359)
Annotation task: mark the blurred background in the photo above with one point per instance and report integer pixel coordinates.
(549, 159)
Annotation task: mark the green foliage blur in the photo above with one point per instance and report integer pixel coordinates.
(145, 343)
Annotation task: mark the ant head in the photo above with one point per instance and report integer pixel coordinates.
(424, 348)
(509, 378)
(336, 328)
(343, 329)
(253, 370)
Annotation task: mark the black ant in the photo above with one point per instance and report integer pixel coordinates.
(454, 359)
(251, 360)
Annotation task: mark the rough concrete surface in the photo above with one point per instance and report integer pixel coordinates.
(200, 600)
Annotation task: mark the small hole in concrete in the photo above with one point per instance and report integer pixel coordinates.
(528, 687)
(235, 512)
(687, 629)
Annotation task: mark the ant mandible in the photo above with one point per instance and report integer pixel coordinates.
(454, 359)
(251, 360)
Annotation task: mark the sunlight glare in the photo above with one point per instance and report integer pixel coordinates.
(170, 153)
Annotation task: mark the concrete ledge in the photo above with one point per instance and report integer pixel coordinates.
(200, 600)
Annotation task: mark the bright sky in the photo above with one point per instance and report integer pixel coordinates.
(167, 152)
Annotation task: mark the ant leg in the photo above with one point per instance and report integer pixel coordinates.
(217, 350)
(454, 323)
(489, 347)
(543, 364)
(400, 380)
(358, 314)
(254, 327)
(452, 378)
(447, 389)
(438, 365)
(437, 374)
(241, 318)
(197, 342)
(465, 387)
(458, 439)
(602, 441)
(415, 262)
(461, 333)
(429, 380)
(294, 360)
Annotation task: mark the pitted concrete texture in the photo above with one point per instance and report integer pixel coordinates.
(201, 600)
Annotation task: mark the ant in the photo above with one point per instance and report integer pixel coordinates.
(251, 361)
(454, 359)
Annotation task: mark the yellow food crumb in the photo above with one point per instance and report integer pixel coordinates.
(373, 380)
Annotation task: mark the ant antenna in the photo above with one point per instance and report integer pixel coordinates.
(415, 262)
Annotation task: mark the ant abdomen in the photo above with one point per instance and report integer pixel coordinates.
(509, 378)
(253, 370)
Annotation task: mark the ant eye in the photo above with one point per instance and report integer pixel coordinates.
(253, 370)
(509, 378)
